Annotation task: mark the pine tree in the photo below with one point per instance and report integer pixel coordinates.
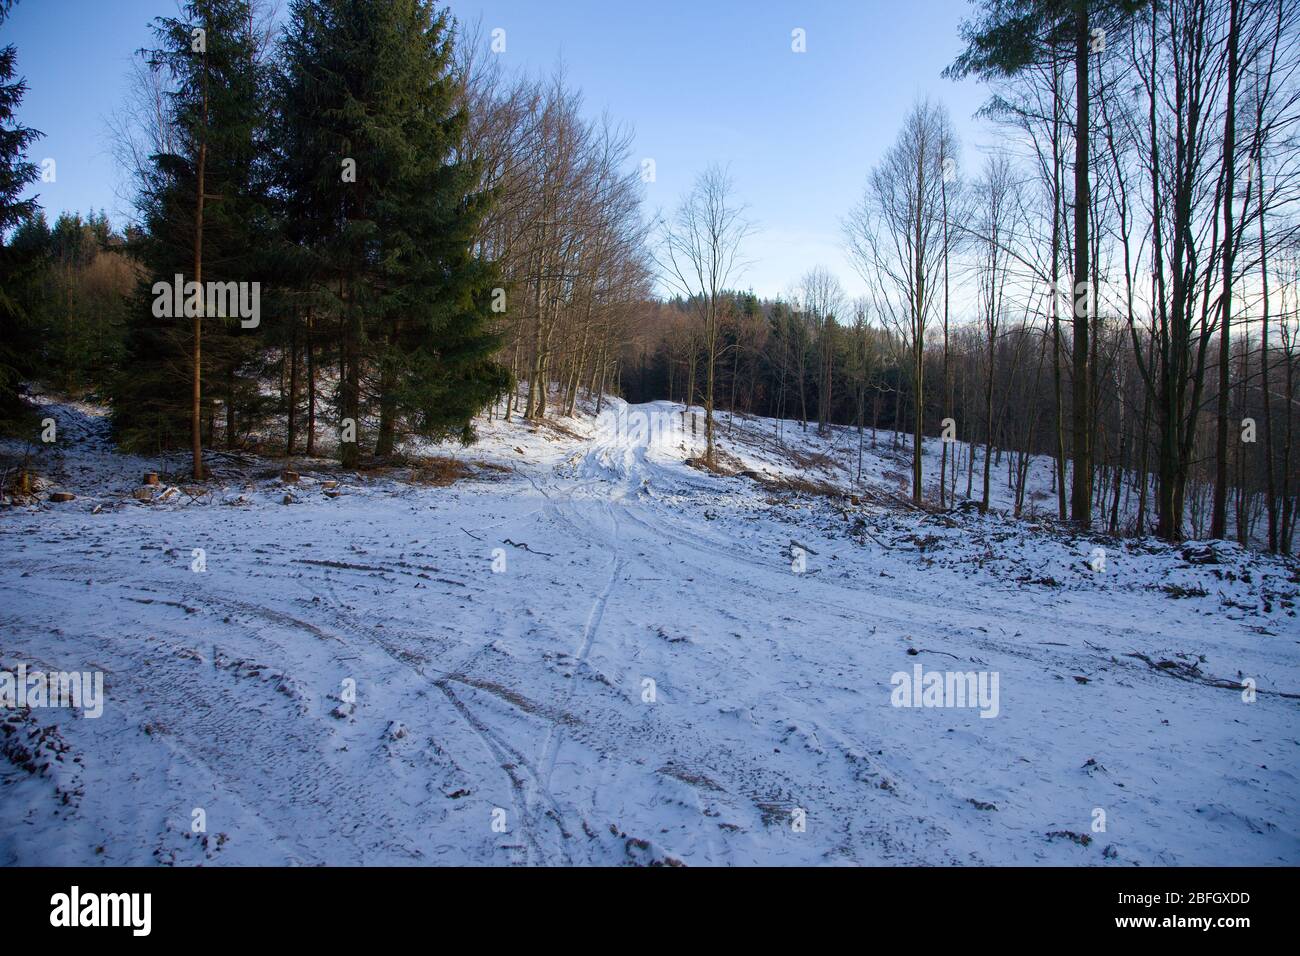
(371, 127)
(16, 172)
(1009, 37)
(205, 217)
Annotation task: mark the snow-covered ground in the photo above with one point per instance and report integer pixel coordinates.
(589, 651)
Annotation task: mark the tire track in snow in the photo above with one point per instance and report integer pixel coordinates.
(499, 751)
(555, 738)
(509, 760)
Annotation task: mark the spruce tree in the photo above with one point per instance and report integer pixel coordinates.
(371, 126)
(16, 262)
(205, 219)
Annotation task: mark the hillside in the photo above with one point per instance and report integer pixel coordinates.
(568, 644)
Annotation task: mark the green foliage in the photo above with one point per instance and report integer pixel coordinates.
(16, 262)
(367, 89)
(217, 105)
(384, 264)
(1008, 36)
(74, 298)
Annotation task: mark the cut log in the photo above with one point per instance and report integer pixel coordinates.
(289, 477)
(62, 496)
(151, 477)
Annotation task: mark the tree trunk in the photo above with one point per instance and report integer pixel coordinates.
(196, 396)
(292, 412)
(350, 452)
(311, 390)
(1219, 520)
(1081, 493)
(387, 438)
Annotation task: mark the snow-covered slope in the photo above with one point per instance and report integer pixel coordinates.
(588, 651)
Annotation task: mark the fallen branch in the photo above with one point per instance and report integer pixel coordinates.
(1190, 672)
(342, 565)
(929, 650)
(523, 546)
(229, 456)
(860, 527)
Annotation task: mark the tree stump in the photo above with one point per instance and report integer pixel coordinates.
(151, 477)
(289, 477)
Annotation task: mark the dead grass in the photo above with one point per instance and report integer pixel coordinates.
(557, 428)
(439, 472)
(817, 460)
(900, 480)
(724, 464)
(805, 486)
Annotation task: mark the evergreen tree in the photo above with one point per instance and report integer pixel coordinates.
(71, 298)
(16, 263)
(1009, 37)
(205, 219)
(371, 127)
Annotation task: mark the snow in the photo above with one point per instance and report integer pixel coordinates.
(505, 717)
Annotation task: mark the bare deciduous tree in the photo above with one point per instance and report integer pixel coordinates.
(895, 236)
(699, 256)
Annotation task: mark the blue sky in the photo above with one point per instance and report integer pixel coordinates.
(700, 81)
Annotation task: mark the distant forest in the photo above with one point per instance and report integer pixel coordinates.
(431, 237)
